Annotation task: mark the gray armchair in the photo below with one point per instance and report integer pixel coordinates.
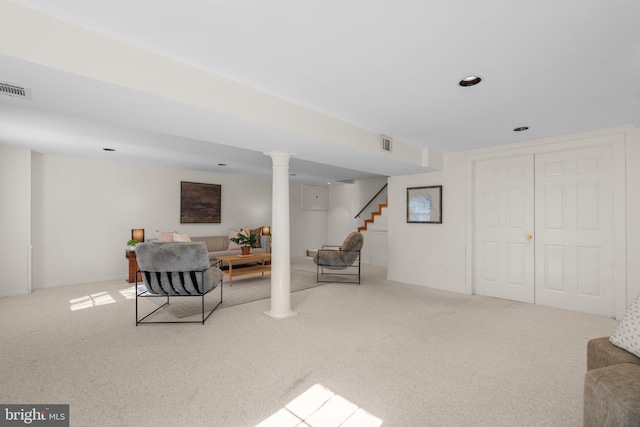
(175, 269)
(345, 257)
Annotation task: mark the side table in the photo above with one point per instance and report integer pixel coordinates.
(133, 267)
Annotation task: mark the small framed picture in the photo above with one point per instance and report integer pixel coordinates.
(424, 204)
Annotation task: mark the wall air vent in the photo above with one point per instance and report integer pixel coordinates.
(385, 143)
(11, 89)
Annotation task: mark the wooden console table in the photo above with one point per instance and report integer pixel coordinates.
(133, 267)
(261, 257)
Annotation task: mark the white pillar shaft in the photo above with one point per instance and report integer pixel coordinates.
(280, 243)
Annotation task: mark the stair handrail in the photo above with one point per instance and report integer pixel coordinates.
(370, 201)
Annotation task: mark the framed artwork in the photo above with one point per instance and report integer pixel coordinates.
(424, 204)
(200, 203)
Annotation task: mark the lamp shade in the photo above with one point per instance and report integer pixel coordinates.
(137, 234)
(266, 230)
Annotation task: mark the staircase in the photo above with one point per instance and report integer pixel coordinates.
(373, 215)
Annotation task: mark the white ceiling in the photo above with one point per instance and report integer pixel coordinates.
(386, 67)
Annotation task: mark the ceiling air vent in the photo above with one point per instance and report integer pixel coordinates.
(11, 89)
(385, 143)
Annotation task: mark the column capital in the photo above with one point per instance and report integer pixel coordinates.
(279, 158)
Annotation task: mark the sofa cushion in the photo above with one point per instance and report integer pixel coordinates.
(627, 334)
(214, 243)
(612, 396)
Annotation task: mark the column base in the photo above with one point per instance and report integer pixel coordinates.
(280, 316)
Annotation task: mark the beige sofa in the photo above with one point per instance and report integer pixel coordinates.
(611, 385)
(219, 246)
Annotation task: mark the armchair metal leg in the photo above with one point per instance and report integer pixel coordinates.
(321, 273)
(138, 321)
(204, 318)
(211, 312)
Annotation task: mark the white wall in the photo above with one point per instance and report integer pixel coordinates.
(431, 255)
(376, 241)
(308, 227)
(15, 220)
(435, 255)
(84, 210)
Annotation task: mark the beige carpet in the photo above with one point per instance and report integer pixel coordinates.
(399, 354)
(255, 287)
(246, 288)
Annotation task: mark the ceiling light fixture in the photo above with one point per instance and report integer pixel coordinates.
(470, 81)
(520, 129)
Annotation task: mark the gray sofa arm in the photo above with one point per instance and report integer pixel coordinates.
(265, 243)
(601, 352)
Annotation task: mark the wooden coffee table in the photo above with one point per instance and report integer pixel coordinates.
(261, 257)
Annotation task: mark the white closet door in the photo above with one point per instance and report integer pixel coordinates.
(504, 224)
(574, 230)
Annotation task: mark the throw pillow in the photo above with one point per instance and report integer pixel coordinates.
(258, 233)
(233, 245)
(164, 236)
(234, 233)
(627, 334)
(181, 237)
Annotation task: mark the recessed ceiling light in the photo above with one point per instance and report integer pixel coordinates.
(109, 149)
(520, 129)
(470, 81)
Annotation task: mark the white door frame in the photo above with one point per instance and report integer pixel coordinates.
(617, 143)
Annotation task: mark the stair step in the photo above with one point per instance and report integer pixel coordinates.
(373, 215)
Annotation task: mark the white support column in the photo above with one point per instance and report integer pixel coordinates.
(280, 246)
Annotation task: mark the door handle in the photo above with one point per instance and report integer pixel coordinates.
(528, 236)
